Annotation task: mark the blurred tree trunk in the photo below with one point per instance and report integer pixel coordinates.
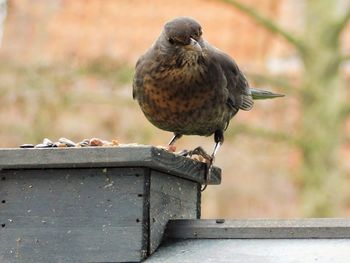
(321, 95)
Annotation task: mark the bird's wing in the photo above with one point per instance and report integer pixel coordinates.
(239, 93)
(143, 66)
(137, 81)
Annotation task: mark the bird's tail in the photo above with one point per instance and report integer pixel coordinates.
(259, 94)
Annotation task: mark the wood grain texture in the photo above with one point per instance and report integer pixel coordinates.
(87, 157)
(183, 167)
(170, 198)
(259, 228)
(72, 215)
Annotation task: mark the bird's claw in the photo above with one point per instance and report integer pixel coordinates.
(208, 172)
(201, 152)
(183, 153)
(209, 163)
(209, 160)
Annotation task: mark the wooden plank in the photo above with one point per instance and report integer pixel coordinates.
(183, 167)
(170, 198)
(72, 215)
(146, 214)
(78, 244)
(74, 157)
(87, 157)
(252, 251)
(259, 228)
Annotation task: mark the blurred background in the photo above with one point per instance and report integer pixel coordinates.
(67, 66)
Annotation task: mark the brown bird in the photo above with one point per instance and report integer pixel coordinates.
(187, 86)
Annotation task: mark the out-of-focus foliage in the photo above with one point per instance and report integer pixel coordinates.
(321, 93)
(66, 69)
(53, 100)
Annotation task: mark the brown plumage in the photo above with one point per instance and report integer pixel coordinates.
(186, 86)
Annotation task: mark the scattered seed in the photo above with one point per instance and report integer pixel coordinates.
(41, 145)
(84, 143)
(106, 143)
(27, 145)
(108, 185)
(48, 142)
(60, 145)
(96, 142)
(67, 142)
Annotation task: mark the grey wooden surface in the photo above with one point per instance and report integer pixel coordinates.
(255, 240)
(72, 215)
(170, 197)
(253, 251)
(140, 156)
(260, 229)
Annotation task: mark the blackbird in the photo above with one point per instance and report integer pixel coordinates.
(187, 86)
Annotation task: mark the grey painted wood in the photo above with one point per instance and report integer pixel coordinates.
(253, 251)
(184, 167)
(86, 157)
(72, 215)
(257, 229)
(170, 197)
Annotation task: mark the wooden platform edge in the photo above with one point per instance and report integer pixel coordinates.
(316, 228)
(91, 157)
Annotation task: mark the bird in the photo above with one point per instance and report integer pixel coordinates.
(187, 86)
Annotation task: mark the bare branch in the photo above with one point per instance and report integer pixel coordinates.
(341, 24)
(268, 24)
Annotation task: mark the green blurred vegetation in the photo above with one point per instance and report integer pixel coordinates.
(108, 69)
(323, 100)
(45, 96)
(273, 164)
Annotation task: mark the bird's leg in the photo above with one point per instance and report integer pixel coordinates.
(211, 163)
(171, 146)
(174, 139)
(216, 149)
(219, 139)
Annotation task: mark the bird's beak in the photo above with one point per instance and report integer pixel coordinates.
(194, 46)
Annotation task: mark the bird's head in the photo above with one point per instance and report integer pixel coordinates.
(182, 35)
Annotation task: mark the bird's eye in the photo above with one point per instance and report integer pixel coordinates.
(197, 35)
(171, 41)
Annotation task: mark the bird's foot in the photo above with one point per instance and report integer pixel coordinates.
(201, 153)
(184, 153)
(209, 160)
(208, 172)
